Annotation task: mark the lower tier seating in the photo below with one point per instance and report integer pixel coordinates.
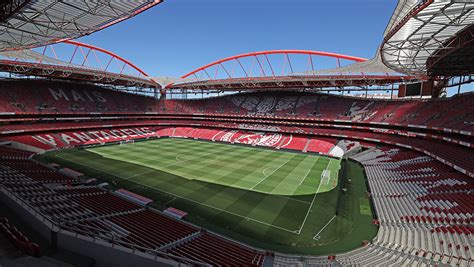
(63, 139)
(217, 251)
(78, 138)
(18, 239)
(424, 210)
(91, 211)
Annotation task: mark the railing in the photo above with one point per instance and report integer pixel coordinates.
(94, 234)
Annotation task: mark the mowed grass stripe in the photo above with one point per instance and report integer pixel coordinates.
(264, 220)
(227, 168)
(275, 174)
(189, 155)
(240, 203)
(237, 167)
(221, 165)
(160, 157)
(217, 170)
(287, 181)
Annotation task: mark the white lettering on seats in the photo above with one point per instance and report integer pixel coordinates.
(47, 139)
(82, 136)
(58, 94)
(99, 96)
(68, 139)
(76, 96)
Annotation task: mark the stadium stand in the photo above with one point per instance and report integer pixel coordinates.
(75, 138)
(210, 248)
(42, 97)
(424, 210)
(432, 137)
(62, 98)
(416, 153)
(414, 226)
(419, 177)
(330, 107)
(72, 138)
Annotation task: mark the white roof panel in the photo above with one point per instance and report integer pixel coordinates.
(40, 22)
(419, 28)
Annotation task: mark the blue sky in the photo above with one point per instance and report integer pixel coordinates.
(178, 36)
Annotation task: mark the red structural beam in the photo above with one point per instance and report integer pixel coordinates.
(296, 82)
(65, 69)
(266, 53)
(270, 52)
(71, 73)
(79, 44)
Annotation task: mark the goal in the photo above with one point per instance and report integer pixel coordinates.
(130, 141)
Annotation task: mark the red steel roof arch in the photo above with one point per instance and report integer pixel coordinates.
(77, 61)
(284, 52)
(108, 53)
(271, 52)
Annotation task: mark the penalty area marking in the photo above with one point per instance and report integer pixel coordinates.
(309, 170)
(310, 206)
(169, 201)
(312, 202)
(266, 176)
(139, 174)
(219, 209)
(317, 236)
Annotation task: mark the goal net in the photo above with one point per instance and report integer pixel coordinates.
(131, 141)
(326, 176)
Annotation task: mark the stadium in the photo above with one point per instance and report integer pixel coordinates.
(283, 157)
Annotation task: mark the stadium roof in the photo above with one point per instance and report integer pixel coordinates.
(276, 69)
(419, 29)
(371, 66)
(76, 61)
(33, 23)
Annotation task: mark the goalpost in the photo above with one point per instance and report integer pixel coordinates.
(326, 176)
(130, 141)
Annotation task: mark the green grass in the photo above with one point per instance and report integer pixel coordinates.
(271, 199)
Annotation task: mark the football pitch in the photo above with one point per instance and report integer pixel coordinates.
(268, 198)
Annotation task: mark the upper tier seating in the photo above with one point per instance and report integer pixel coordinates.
(44, 97)
(48, 97)
(456, 113)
